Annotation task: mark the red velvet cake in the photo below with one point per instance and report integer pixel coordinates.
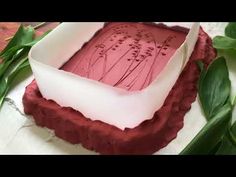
(128, 56)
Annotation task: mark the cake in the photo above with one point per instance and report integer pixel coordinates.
(130, 58)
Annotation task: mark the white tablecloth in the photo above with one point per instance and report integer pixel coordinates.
(20, 135)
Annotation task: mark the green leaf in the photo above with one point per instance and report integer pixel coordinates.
(229, 54)
(202, 74)
(214, 87)
(222, 42)
(22, 36)
(211, 134)
(215, 149)
(38, 39)
(200, 65)
(4, 66)
(3, 95)
(232, 133)
(9, 77)
(230, 30)
(3, 89)
(234, 101)
(9, 53)
(228, 146)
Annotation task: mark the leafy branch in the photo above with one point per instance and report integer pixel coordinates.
(218, 136)
(14, 57)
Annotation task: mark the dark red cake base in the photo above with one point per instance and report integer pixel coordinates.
(147, 138)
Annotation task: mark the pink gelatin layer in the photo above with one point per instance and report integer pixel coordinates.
(126, 55)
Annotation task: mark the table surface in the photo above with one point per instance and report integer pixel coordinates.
(20, 135)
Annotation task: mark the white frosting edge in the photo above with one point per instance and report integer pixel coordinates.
(96, 100)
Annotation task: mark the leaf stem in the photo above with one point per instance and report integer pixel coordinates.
(232, 137)
(234, 101)
(39, 25)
